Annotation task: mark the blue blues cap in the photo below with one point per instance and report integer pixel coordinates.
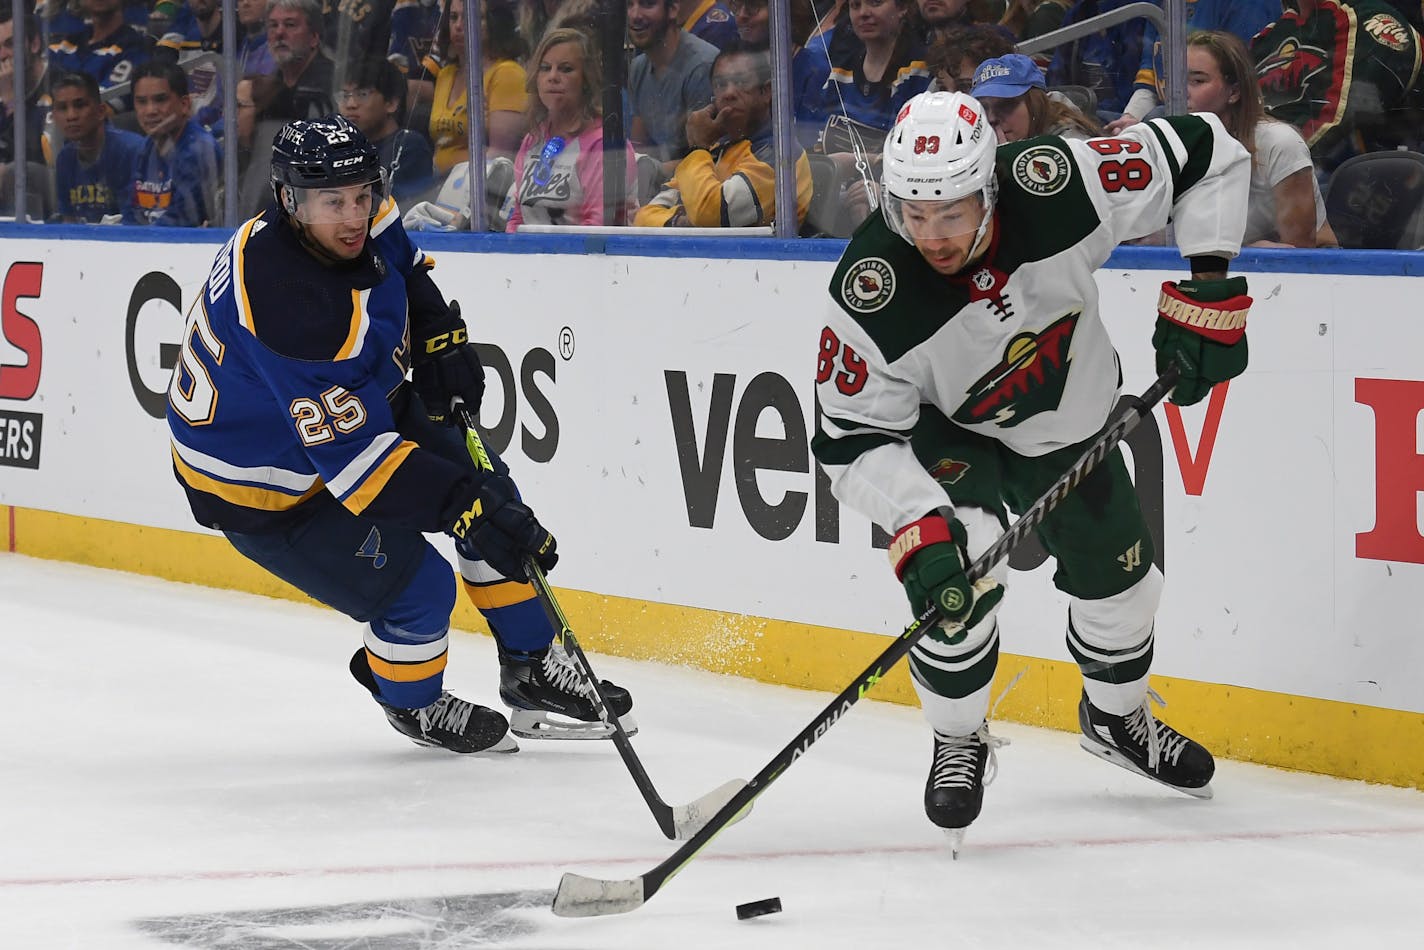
(1007, 77)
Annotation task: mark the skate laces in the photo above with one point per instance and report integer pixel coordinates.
(955, 758)
(448, 713)
(1161, 740)
(563, 674)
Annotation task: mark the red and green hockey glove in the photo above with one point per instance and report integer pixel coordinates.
(1201, 326)
(930, 559)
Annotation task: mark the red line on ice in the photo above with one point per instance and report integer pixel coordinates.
(1126, 840)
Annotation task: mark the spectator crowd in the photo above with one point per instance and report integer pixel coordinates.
(124, 103)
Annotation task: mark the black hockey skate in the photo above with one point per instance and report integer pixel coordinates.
(448, 723)
(549, 699)
(1141, 743)
(954, 791)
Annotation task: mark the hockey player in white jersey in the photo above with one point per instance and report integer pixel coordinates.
(964, 366)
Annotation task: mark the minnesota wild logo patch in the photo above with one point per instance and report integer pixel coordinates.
(868, 285)
(1028, 380)
(1043, 169)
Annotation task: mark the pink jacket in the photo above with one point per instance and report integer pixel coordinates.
(564, 185)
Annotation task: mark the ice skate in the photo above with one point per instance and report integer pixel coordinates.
(448, 723)
(1141, 743)
(549, 699)
(954, 791)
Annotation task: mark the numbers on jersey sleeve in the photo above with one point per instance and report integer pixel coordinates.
(310, 420)
(853, 369)
(1130, 174)
(347, 412)
(337, 409)
(191, 392)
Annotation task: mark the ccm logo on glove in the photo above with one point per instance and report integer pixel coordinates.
(442, 341)
(467, 518)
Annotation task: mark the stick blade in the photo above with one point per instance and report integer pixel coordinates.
(689, 819)
(580, 896)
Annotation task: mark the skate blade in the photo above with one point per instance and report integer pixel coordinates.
(955, 837)
(539, 724)
(504, 746)
(1109, 754)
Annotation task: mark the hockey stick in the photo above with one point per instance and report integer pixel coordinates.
(680, 822)
(580, 896)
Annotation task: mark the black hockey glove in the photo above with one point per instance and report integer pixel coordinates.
(445, 365)
(503, 530)
(1201, 326)
(930, 559)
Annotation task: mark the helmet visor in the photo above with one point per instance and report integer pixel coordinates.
(918, 221)
(337, 204)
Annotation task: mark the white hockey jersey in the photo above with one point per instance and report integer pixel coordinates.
(1014, 348)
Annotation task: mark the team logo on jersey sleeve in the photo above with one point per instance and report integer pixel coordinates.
(868, 285)
(1043, 169)
(1028, 380)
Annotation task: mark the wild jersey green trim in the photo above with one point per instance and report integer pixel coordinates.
(843, 451)
(1050, 220)
(885, 286)
(1200, 144)
(846, 425)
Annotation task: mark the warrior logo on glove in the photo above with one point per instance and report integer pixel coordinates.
(1201, 327)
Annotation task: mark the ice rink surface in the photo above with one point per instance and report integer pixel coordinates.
(193, 768)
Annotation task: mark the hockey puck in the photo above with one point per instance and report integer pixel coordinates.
(772, 905)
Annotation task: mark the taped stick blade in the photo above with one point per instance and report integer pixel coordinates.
(580, 896)
(688, 819)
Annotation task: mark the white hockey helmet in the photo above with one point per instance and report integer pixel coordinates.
(940, 149)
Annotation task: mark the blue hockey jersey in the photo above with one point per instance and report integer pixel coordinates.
(291, 376)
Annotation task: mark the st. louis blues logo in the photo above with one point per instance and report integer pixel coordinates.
(371, 548)
(1028, 380)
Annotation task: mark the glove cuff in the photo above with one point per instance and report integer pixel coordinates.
(931, 529)
(1223, 321)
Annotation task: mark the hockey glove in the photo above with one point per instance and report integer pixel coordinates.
(446, 366)
(930, 559)
(1201, 326)
(502, 529)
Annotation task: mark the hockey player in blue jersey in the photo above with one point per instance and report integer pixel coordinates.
(296, 432)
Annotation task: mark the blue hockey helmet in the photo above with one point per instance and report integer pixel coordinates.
(329, 152)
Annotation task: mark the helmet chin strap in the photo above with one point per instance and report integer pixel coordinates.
(990, 199)
(316, 250)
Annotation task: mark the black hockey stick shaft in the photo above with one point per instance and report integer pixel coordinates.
(614, 899)
(662, 811)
